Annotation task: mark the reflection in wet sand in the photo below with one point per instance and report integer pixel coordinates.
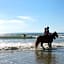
(45, 57)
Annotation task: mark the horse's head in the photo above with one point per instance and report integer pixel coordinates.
(55, 35)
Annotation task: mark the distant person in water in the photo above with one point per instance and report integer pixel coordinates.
(46, 31)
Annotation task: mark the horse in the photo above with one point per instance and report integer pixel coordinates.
(46, 39)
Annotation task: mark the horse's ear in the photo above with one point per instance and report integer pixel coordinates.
(55, 32)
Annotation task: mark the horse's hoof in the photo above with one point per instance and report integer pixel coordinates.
(43, 48)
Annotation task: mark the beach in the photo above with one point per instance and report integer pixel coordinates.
(32, 57)
(22, 51)
(27, 27)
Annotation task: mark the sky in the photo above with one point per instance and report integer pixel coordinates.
(22, 16)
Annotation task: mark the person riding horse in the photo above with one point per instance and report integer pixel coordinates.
(46, 31)
(46, 38)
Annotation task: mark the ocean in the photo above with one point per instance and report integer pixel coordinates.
(22, 51)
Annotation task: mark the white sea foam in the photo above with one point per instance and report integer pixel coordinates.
(7, 46)
(26, 46)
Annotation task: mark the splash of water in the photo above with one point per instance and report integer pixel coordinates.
(26, 46)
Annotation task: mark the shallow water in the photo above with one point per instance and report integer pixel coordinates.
(32, 57)
(55, 56)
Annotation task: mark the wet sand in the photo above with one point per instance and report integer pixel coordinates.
(32, 56)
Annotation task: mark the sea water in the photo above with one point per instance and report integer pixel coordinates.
(26, 53)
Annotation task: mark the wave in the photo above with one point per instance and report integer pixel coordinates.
(14, 46)
(62, 36)
(26, 46)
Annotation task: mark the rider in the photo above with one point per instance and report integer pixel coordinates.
(46, 31)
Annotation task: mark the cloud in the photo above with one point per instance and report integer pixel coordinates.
(11, 21)
(26, 18)
(2, 21)
(11, 25)
(19, 24)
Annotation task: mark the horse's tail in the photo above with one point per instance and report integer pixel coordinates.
(36, 44)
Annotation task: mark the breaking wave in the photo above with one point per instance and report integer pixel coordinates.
(26, 46)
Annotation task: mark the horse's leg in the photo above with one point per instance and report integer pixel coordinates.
(42, 45)
(50, 45)
(36, 44)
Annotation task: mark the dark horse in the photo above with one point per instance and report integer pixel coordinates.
(46, 39)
